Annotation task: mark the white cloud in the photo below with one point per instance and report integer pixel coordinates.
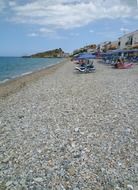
(124, 30)
(74, 34)
(91, 31)
(64, 14)
(2, 5)
(12, 3)
(45, 32)
(33, 34)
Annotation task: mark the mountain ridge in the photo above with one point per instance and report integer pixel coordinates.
(47, 54)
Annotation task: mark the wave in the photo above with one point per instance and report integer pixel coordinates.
(27, 73)
(17, 70)
(5, 80)
(14, 77)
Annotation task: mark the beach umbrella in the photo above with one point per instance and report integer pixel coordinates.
(86, 56)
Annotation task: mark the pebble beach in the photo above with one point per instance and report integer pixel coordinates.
(71, 131)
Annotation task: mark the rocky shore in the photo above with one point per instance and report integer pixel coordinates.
(70, 131)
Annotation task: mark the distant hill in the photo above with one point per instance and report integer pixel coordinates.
(49, 54)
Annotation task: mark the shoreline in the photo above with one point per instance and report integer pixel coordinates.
(15, 84)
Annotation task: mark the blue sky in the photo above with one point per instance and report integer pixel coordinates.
(30, 26)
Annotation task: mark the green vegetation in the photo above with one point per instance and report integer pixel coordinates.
(49, 54)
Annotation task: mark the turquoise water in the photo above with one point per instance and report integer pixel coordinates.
(12, 67)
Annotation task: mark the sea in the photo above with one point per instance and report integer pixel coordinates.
(13, 67)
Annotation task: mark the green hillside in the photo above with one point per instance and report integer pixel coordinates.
(51, 53)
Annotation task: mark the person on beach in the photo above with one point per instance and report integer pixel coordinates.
(89, 64)
(119, 62)
(82, 63)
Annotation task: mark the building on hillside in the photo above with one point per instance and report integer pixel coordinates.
(112, 45)
(103, 47)
(75, 51)
(81, 50)
(66, 55)
(128, 41)
(91, 48)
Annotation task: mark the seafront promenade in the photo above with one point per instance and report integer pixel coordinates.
(71, 131)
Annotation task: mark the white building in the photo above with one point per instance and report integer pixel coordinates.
(102, 46)
(112, 45)
(128, 41)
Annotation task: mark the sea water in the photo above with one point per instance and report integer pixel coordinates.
(13, 67)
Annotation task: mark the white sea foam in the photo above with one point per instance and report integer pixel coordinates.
(27, 73)
(3, 81)
(12, 68)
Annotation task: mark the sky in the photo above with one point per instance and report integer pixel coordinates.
(31, 26)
